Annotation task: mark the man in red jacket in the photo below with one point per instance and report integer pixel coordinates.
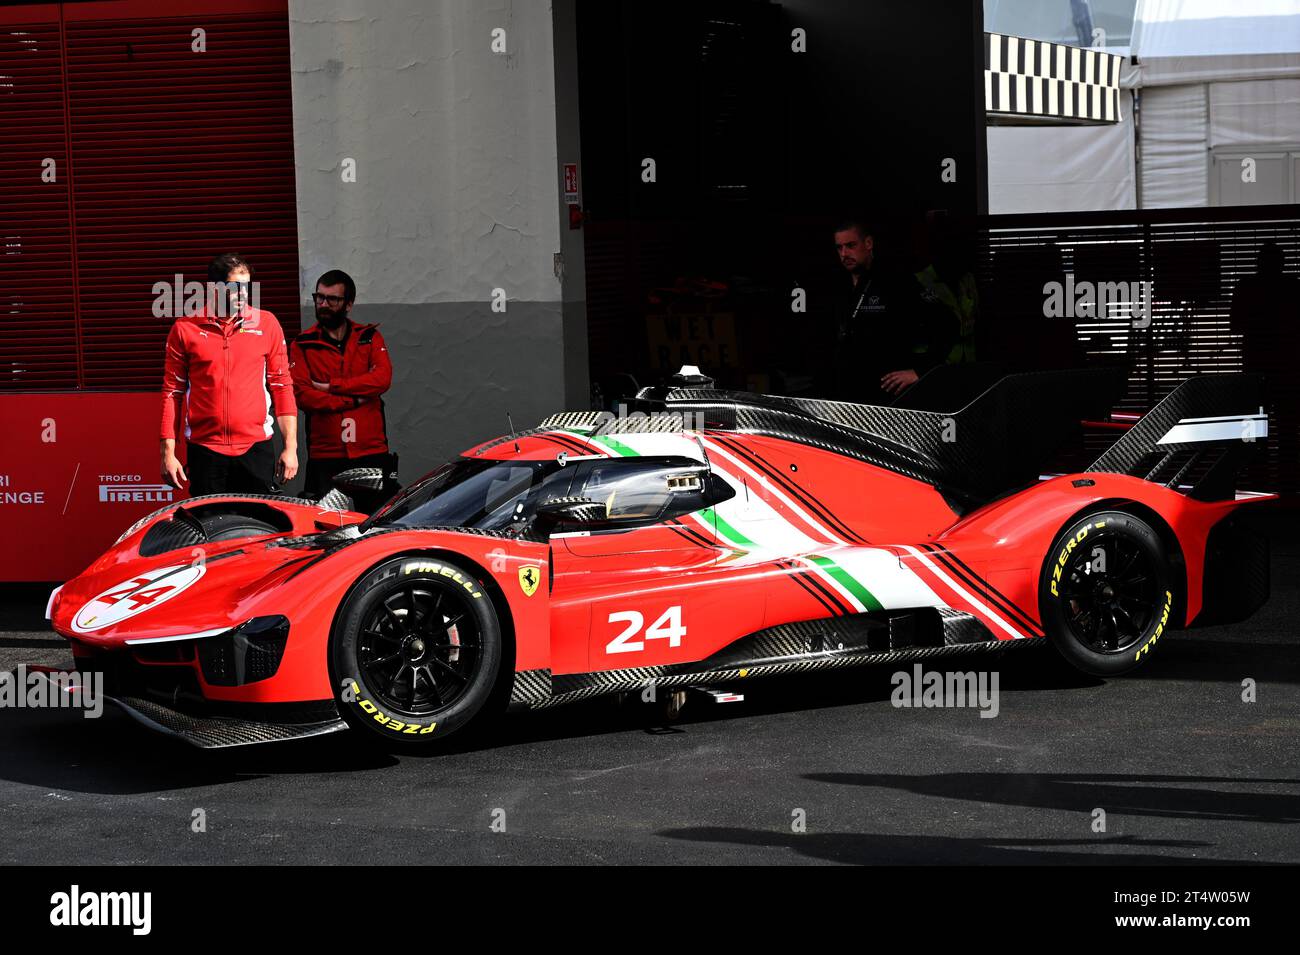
(225, 371)
(340, 372)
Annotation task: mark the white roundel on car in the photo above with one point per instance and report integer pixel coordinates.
(131, 597)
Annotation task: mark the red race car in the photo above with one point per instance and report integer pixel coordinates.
(707, 539)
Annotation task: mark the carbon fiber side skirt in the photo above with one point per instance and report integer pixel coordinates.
(831, 643)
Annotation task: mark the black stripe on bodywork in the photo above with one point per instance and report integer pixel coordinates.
(569, 443)
(994, 596)
(685, 533)
(678, 525)
(812, 502)
(308, 561)
(217, 557)
(813, 592)
(807, 575)
(806, 498)
(997, 597)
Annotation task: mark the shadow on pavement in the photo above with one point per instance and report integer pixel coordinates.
(873, 849)
(1120, 794)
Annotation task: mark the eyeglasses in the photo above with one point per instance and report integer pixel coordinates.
(333, 301)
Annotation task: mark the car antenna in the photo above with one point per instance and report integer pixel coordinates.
(703, 451)
(513, 436)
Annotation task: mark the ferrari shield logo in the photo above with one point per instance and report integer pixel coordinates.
(529, 578)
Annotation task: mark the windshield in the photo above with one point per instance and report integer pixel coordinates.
(485, 494)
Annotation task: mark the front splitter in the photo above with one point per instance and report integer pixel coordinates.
(209, 732)
(219, 732)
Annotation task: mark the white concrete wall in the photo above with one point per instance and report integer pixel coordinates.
(456, 194)
(454, 146)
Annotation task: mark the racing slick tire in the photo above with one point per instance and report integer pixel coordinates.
(1106, 592)
(416, 652)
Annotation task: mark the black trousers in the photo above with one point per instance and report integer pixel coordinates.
(252, 472)
(321, 471)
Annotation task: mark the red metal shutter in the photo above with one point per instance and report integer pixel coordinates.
(175, 156)
(178, 156)
(38, 335)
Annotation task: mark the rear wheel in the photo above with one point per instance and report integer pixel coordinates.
(1106, 592)
(416, 652)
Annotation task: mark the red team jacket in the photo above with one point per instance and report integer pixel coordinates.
(223, 382)
(358, 376)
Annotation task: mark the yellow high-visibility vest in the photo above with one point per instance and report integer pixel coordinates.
(964, 304)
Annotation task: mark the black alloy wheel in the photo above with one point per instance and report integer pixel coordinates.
(1106, 592)
(417, 652)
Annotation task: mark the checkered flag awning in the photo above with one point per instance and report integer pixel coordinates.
(1034, 81)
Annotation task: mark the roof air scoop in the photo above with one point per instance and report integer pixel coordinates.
(690, 376)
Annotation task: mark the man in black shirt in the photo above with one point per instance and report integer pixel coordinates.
(883, 340)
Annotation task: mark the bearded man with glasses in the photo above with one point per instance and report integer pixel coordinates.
(341, 371)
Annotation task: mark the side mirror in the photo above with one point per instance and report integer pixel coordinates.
(359, 479)
(348, 484)
(578, 511)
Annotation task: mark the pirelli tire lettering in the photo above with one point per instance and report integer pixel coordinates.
(430, 567)
(357, 698)
(1160, 628)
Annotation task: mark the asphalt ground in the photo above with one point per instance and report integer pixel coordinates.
(813, 769)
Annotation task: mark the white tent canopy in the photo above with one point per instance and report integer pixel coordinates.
(1062, 169)
(1177, 42)
(1217, 80)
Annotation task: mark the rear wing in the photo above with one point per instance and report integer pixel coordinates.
(1197, 439)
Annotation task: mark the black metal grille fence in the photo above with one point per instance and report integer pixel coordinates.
(1209, 308)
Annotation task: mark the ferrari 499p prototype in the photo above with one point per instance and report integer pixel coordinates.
(711, 538)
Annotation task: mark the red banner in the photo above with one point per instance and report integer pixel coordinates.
(75, 471)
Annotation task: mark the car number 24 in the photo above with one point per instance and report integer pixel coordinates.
(633, 637)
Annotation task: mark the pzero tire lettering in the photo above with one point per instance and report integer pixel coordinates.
(386, 721)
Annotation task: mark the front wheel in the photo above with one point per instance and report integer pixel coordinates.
(416, 652)
(229, 527)
(1106, 592)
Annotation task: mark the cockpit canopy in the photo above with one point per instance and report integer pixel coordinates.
(504, 495)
